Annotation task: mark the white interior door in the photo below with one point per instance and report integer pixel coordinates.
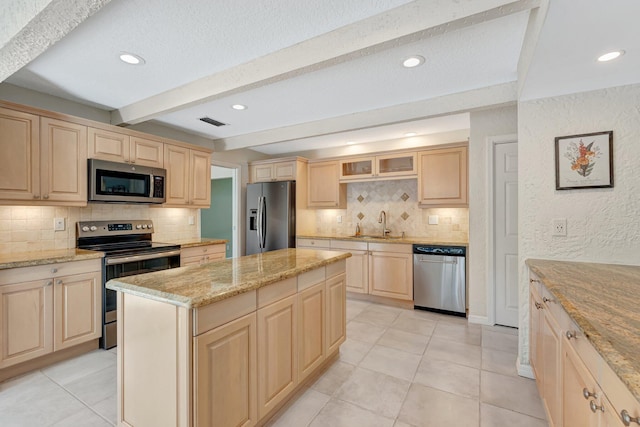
(506, 233)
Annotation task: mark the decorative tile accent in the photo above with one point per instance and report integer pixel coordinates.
(360, 199)
(360, 216)
(404, 216)
(404, 197)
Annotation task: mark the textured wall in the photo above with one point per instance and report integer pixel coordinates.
(30, 228)
(603, 225)
(399, 199)
(484, 124)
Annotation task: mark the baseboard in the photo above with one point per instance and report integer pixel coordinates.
(479, 320)
(524, 370)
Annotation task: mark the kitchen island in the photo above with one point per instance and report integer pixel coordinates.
(226, 343)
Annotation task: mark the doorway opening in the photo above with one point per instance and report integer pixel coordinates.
(220, 221)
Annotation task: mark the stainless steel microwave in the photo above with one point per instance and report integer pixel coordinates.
(125, 183)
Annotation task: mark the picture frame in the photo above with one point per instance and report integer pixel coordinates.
(584, 161)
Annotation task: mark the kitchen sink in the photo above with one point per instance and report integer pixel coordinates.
(376, 236)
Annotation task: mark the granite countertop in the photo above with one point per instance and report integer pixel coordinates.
(29, 259)
(378, 239)
(201, 285)
(601, 300)
(198, 241)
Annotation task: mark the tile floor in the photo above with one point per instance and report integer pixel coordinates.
(398, 368)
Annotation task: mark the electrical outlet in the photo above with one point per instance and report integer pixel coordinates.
(192, 220)
(433, 219)
(339, 219)
(58, 224)
(559, 227)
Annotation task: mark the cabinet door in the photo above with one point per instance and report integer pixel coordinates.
(192, 260)
(552, 371)
(176, 161)
(576, 379)
(146, 152)
(200, 179)
(609, 416)
(324, 188)
(285, 171)
(311, 329)
(359, 168)
(390, 165)
(262, 173)
(78, 309)
(20, 159)
(63, 164)
(391, 275)
(225, 375)
(442, 178)
(336, 312)
(107, 145)
(277, 343)
(26, 321)
(358, 272)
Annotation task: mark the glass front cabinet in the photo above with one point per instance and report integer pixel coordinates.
(383, 166)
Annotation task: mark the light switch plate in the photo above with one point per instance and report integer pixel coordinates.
(58, 224)
(192, 220)
(433, 219)
(339, 219)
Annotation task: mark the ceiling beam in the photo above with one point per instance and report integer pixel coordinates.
(498, 95)
(33, 27)
(414, 21)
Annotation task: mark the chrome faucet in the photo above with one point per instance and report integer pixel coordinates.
(382, 219)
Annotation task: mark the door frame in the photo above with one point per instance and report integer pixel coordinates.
(235, 206)
(492, 141)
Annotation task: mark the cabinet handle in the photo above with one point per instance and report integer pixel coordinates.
(36, 196)
(594, 406)
(534, 281)
(46, 196)
(628, 419)
(587, 394)
(570, 335)
(54, 270)
(545, 299)
(538, 305)
(58, 282)
(49, 283)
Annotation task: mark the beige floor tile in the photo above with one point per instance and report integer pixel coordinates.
(492, 416)
(303, 410)
(392, 362)
(514, 393)
(450, 377)
(455, 352)
(364, 331)
(84, 418)
(107, 408)
(95, 387)
(353, 351)
(501, 329)
(501, 362)
(377, 316)
(70, 370)
(402, 424)
(337, 413)
(469, 334)
(428, 407)
(404, 341)
(374, 391)
(500, 341)
(409, 323)
(333, 378)
(424, 314)
(355, 307)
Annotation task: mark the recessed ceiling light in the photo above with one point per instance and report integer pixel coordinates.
(410, 134)
(239, 107)
(413, 61)
(611, 55)
(131, 59)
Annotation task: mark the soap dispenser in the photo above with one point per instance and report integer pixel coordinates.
(357, 229)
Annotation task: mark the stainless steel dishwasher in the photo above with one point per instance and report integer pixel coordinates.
(439, 278)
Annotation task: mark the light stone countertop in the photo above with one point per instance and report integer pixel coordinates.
(379, 239)
(198, 241)
(602, 300)
(29, 259)
(200, 285)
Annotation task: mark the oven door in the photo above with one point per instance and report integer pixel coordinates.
(115, 267)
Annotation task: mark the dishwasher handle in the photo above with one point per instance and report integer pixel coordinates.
(433, 261)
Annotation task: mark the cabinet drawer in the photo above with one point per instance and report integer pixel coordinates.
(399, 248)
(348, 244)
(202, 250)
(314, 243)
(39, 272)
(213, 315)
(336, 268)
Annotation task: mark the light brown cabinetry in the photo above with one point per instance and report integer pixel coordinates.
(225, 375)
(443, 177)
(198, 255)
(119, 147)
(311, 329)
(391, 270)
(48, 308)
(395, 165)
(188, 177)
(325, 189)
(357, 265)
(44, 160)
(281, 170)
(336, 312)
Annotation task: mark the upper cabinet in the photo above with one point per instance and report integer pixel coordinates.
(324, 189)
(188, 177)
(402, 165)
(43, 160)
(269, 170)
(118, 147)
(443, 177)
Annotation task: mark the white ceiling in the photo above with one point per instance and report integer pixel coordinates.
(316, 74)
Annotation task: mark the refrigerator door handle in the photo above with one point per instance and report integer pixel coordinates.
(259, 221)
(264, 223)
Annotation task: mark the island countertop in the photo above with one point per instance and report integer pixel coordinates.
(600, 298)
(201, 285)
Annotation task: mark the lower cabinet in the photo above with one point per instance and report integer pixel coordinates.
(391, 270)
(311, 331)
(336, 312)
(198, 255)
(42, 309)
(225, 373)
(357, 264)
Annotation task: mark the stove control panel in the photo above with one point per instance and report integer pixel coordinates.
(113, 228)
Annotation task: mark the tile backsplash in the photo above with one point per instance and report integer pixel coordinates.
(30, 228)
(399, 199)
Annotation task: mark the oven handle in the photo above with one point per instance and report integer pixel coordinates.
(143, 257)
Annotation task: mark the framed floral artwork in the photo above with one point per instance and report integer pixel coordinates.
(584, 161)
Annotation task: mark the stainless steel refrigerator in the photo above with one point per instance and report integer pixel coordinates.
(271, 216)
